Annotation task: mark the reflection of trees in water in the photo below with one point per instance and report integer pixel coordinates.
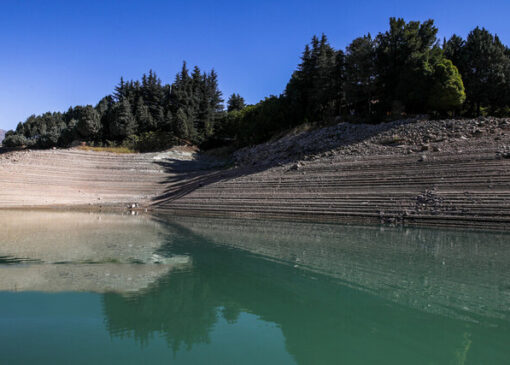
(180, 309)
(441, 271)
(322, 320)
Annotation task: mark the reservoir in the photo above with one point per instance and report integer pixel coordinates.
(82, 288)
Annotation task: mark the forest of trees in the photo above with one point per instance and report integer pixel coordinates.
(403, 71)
(144, 113)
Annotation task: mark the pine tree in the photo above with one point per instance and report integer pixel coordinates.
(123, 124)
(235, 102)
(484, 70)
(360, 75)
(182, 124)
(89, 121)
(315, 89)
(405, 54)
(120, 90)
(143, 117)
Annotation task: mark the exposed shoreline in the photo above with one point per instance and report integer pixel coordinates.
(441, 173)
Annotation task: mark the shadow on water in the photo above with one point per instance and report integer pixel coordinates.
(329, 313)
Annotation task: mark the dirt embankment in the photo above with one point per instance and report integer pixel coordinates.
(449, 172)
(74, 177)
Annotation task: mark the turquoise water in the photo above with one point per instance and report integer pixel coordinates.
(134, 290)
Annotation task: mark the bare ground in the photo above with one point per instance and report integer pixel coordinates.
(449, 172)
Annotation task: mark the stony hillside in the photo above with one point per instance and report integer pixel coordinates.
(402, 137)
(448, 172)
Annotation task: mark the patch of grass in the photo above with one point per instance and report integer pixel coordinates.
(119, 149)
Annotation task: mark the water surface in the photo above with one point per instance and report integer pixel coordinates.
(99, 288)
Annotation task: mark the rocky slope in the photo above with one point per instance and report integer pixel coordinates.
(448, 172)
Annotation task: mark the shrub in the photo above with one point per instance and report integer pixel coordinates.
(15, 140)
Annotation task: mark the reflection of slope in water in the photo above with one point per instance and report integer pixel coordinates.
(322, 322)
(93, 278)
(444, 271)
(74, 251)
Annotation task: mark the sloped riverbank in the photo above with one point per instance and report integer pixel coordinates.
(448, 172)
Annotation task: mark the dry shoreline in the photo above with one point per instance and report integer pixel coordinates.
(443, 173)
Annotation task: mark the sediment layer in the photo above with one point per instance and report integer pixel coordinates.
(451, 173)
(74, 177)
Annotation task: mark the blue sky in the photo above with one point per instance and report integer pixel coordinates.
(55, 54)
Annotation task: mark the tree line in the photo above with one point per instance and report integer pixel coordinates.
(146, 113)
(405, 70)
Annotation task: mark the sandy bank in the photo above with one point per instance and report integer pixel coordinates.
(454, 173)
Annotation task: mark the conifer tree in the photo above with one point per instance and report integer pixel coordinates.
(89, 121)
(182, 124)
(235, 102)
(123, 124)
(143, 117)
(484, 68)
(360, 75)
(404, 57)
(120, 90)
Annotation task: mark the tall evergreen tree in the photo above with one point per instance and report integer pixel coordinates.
(360, 75)
(314, 90)
(235, 102)
(124, 123)
(182, 124)
(483, 67)
(144, 118)
(120, 90)
(89, 121)
(405, 54)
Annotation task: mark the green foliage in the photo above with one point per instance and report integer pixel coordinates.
(447, 90)
(360, 75)
(398, 72)
(235, 102)
(123, 124)
(315, 89)
(190, 109)
(14, 140)
(405, 55)
(255, 123)
(484, 63)
(183, 125)
(150, 141)
(89, 121)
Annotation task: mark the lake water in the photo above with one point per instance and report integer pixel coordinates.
(84, 288)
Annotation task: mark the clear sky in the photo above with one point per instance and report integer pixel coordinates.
(54, 54)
